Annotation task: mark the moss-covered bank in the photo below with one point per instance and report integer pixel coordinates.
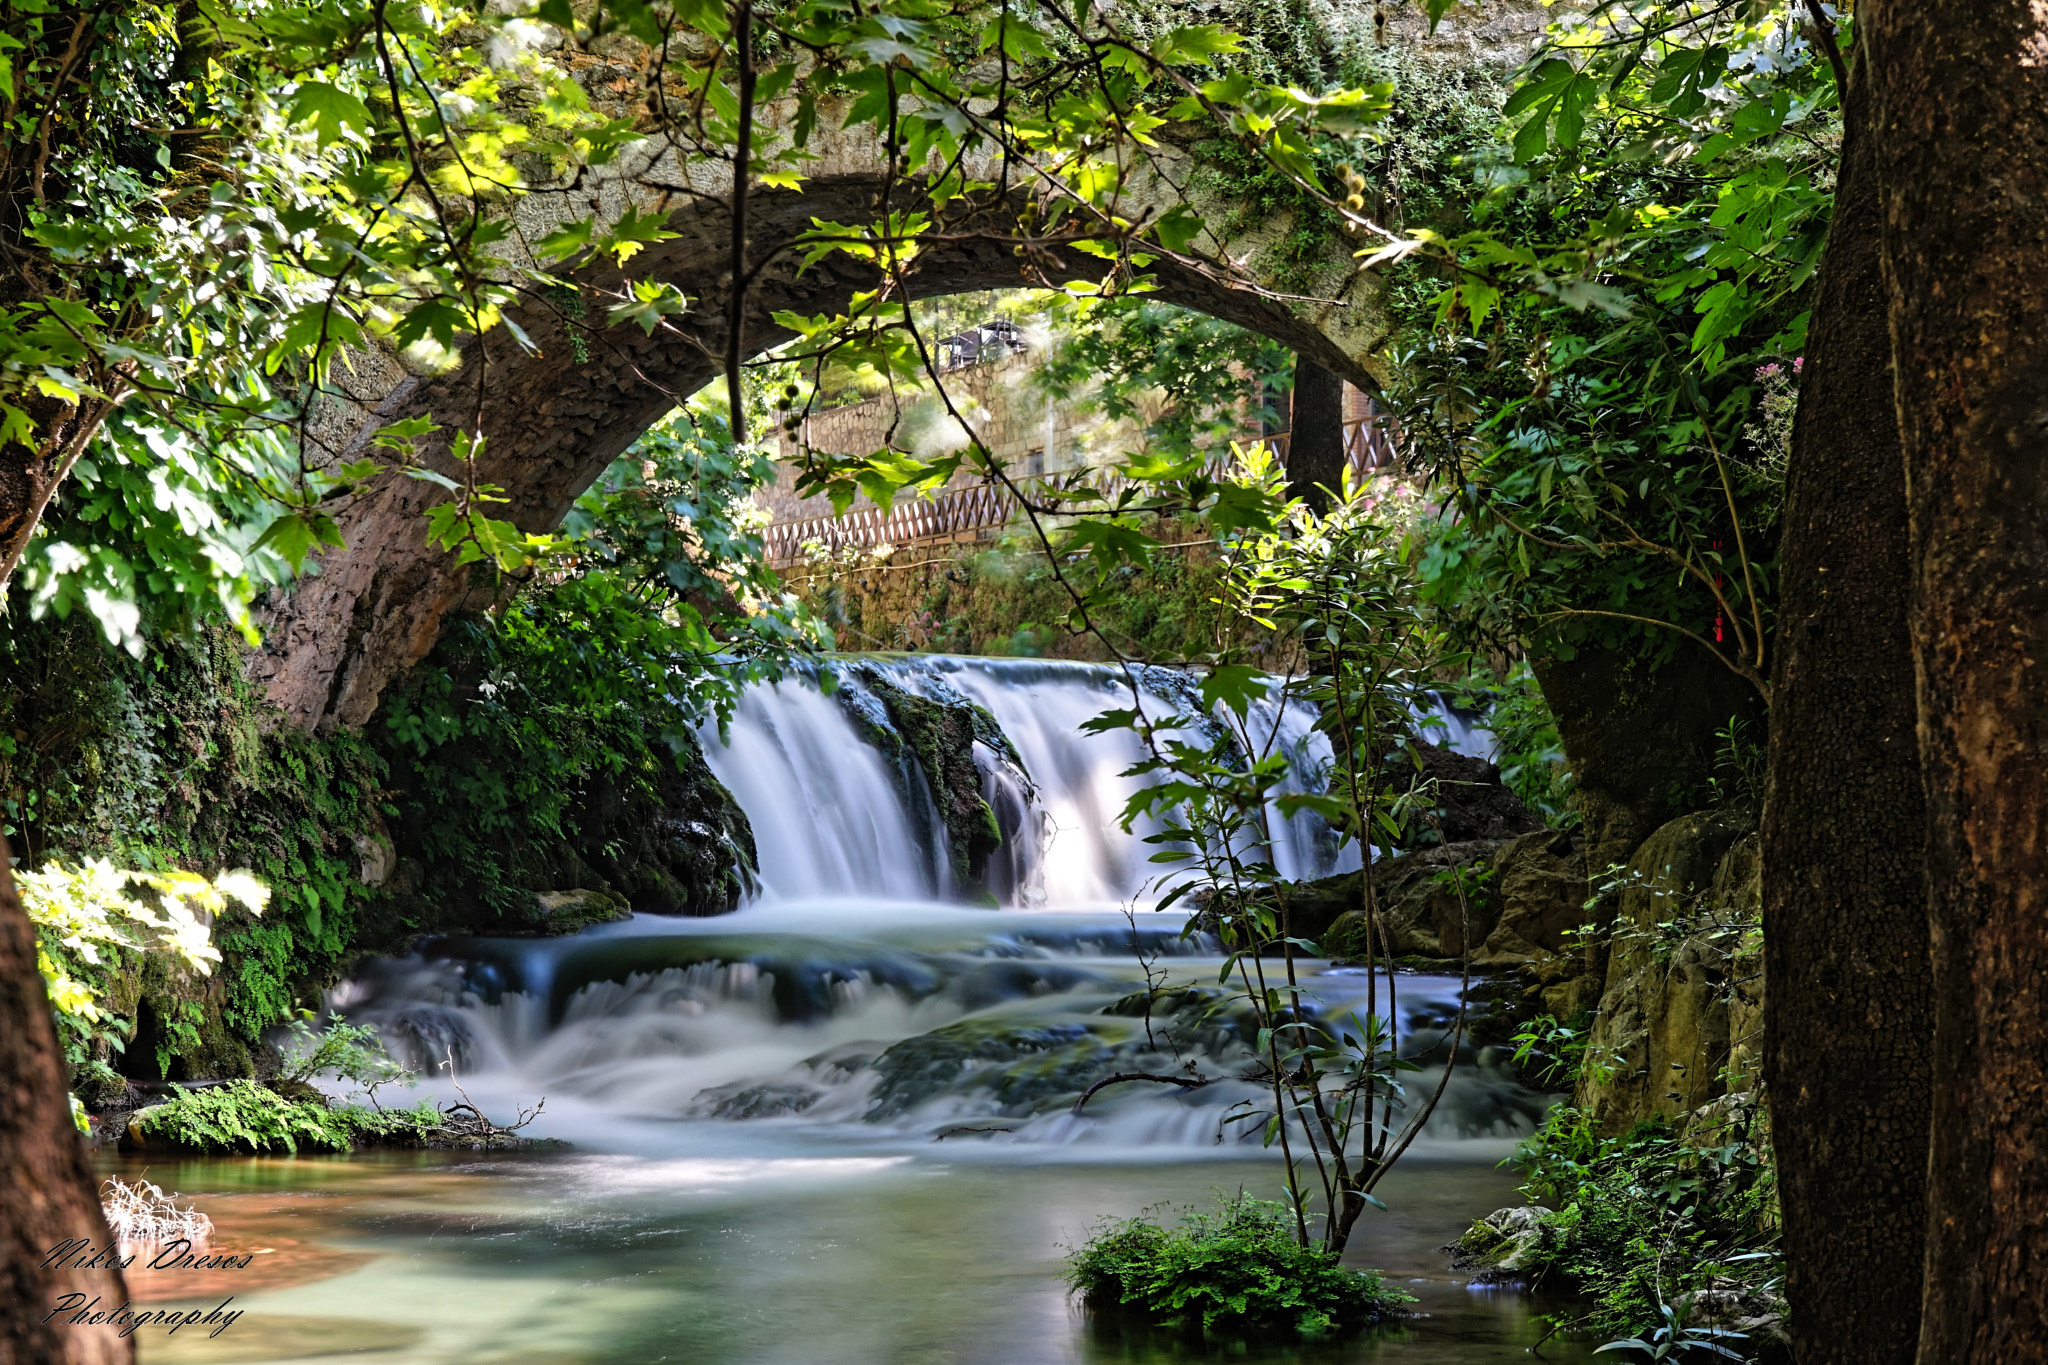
(369, 842)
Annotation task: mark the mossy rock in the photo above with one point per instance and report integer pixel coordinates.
(1420, 913)
(940, 733)
(1018, 1065)
(1506, 1244)
(567, 912)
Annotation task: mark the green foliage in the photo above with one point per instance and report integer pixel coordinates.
(1527, 748)
(155, 531)
(90, 923)
(1557, 1054)
(1337, 587)
(1184, 377)
(171, 761)
(1674, 1338)
(347, 1052)
(1739, 767)
(1581, 369)
(378, 154)
(242, 1116)
(1655, 1217)
(600, 677)
(1007, 601)
(1233, 1273)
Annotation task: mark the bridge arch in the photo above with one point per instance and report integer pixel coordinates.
(555, 421)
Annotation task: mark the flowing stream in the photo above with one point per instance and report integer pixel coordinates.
(839, 1123)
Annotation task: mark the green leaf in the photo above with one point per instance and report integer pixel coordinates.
(652, 301)
(442, 318)
(296, 534)
(1236, 686)
(399, 435)
(566, 241)
(1193, 43)
(332, 111)
(1533, 136)
(1178, 228)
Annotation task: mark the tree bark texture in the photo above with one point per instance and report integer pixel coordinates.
(1960, 103)
(47, 1193)
(1315, 434)
(1849, 1012)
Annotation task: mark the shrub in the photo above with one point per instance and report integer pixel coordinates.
(1656, 1217)
(90, 916)
(242, 1116)
(347, 1052)
(1235, 1272)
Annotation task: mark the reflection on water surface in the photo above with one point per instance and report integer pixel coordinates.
(779, 1260)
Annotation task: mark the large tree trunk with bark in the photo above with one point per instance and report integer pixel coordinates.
(1315, 434)
(47, 1195)
(1849, 1012)
(1959, 100)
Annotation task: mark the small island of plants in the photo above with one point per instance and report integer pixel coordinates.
(1239, 1271)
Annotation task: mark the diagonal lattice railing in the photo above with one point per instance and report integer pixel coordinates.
(967, 511)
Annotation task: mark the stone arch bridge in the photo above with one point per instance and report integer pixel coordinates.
(554, 421)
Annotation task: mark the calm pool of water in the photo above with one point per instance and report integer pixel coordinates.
(768, 1258)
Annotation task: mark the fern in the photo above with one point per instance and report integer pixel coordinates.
(242, 1116)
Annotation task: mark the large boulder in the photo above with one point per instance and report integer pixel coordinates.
(1661, 1041)
(1421, 910)
(1540, 883)
(1471, 801)
(928, 738)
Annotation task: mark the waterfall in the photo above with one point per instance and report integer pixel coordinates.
(866, 994)
(1457, 728)
(830, 820)
(827, 818)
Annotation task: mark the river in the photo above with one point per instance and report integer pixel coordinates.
(838, 1124)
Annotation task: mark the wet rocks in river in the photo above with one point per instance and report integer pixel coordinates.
(1506, 1244)
(1016, 1066)
(929, 740)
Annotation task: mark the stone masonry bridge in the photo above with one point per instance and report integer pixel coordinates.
(554, 422)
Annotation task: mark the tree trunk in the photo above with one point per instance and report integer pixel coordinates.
(1641, 741)
(1960, 94)
(1849, 1009)
(47, 1193)
(30, 472)
(1315, 434)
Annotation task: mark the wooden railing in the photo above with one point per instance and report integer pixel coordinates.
(962, 514)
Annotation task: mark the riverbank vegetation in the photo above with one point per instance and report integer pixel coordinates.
(1232, 1273)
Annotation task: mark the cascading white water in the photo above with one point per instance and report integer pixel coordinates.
(829, 820)
(848, 999)
(1453, 727)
